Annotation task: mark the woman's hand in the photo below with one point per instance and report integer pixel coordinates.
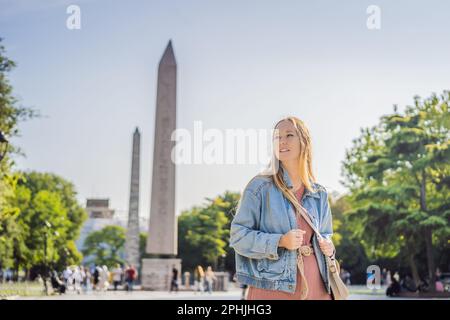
(326, 246)
(292, 240)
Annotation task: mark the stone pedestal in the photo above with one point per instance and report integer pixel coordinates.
(157, 273)
(222, 282)
(187, 280)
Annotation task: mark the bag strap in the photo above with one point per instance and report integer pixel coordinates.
(304, 214)
(308, 220)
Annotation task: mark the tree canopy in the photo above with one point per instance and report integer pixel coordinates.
(398, 176)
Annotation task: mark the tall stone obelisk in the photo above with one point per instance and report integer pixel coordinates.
(132, 239)
(162, 237)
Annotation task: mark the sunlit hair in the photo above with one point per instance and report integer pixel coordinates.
(304, 161)
(200, 271)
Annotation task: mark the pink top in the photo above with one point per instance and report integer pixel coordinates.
(316, 287)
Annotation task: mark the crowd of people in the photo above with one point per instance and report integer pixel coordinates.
(203, 280)
(97, 278)
(82, 279)
(397, 285)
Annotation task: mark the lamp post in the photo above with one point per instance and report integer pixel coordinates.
(3, 146)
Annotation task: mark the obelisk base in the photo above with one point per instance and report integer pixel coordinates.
(157, 273)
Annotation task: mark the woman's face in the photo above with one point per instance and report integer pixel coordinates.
(287, 141)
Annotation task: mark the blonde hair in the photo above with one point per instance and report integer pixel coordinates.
(200, 271)
(305, 163)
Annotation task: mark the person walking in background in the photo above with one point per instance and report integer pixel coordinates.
(130, 276)
(348, 280)
(86, 284)
(117, 276)
(199, 276)
(103, 276)
(388, 278)
(97, 271)
(394, 288)
(57, 285)
(174, 281)
(383, 277)
(77, 279)
(210, 277)
(67, 275)
(83, 278)
(345, 276)
(342, 273)
(439, 284)
(125, 277)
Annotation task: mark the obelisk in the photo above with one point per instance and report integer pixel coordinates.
(162, 236)
(132, 239)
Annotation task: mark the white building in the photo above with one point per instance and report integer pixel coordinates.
(100, 216)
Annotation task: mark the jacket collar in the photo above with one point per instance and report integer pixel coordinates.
(288, 182)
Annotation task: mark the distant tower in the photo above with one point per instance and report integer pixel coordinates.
(162, 237)
(132, 240)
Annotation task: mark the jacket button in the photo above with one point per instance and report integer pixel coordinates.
(291, 286)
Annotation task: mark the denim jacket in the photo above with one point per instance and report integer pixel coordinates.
(263, 216)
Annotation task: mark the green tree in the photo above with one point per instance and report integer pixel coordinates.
(10, 116)
(227, 203)
(398, 175)
(36, 181)
(9, 229)
(350, 252)
(48, 210)
(105, 247)
(204, 232)
(10, 112)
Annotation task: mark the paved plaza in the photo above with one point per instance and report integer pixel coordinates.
(234, 293)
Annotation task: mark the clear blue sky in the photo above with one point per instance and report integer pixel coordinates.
(241, 64)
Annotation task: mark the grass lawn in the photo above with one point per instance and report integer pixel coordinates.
(27, 288)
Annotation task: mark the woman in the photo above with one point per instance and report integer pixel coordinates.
(277, 253)
(104, 278)
(199, 278)
(117, 276)
(209, 279)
